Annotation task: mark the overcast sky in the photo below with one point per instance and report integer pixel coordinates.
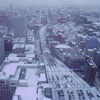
(46, 2)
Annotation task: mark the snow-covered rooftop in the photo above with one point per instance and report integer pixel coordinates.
(64, 46)
(18, 46)
(11, 67)
(26, 93)
(42, 77)
(13, 55)
(31, 77)
(29, 49)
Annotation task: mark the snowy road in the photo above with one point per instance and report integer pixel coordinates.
(58, 74)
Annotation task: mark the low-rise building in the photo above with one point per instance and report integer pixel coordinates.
(18, 48)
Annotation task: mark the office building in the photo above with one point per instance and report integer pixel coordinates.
(19, 26)
(13, 77)
(82, 45)
(56, 37)
(61, 49)
(7, 89)
(53, 45)
(44, 21)
(75, 58)
(5, 21)
(18, 41)
(3, 30)
(11, 8)
(97, 59)
(90, 53)
(97, 80)
(61, 20)
(17, 76)
(90, 69)
(98, 44)
(91, 42)
(18, 48)
(3, 18)
(8, 45)
(94, 54)
(2, 49)
(78, 38)
(59, 37)
(50, 30)
(62, 40)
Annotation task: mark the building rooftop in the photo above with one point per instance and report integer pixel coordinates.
(29, 49)
(11, 67)
(26, 93)
(42, 78)
(29, 52)
(18, 46)
(63, 46)
(91, 62)
(26, 80)
(75, 53)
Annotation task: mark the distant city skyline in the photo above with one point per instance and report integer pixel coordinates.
(5, 3)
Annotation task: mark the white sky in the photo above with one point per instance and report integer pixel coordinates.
(46, 2)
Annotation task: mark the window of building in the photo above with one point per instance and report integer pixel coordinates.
(6, 87)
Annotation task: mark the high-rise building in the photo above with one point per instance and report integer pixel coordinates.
(97, 80)
(11, 8)
(19, 26)
(8, 45)
(94, 54)
(91, 42)
(3, 30)
(97, 59)
(90, 69)
(90, 52)
(3, 18)
(78, 38)
(82, 45)
(2, 51)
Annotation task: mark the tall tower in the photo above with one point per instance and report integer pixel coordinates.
(19, 26)
(11, 8)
